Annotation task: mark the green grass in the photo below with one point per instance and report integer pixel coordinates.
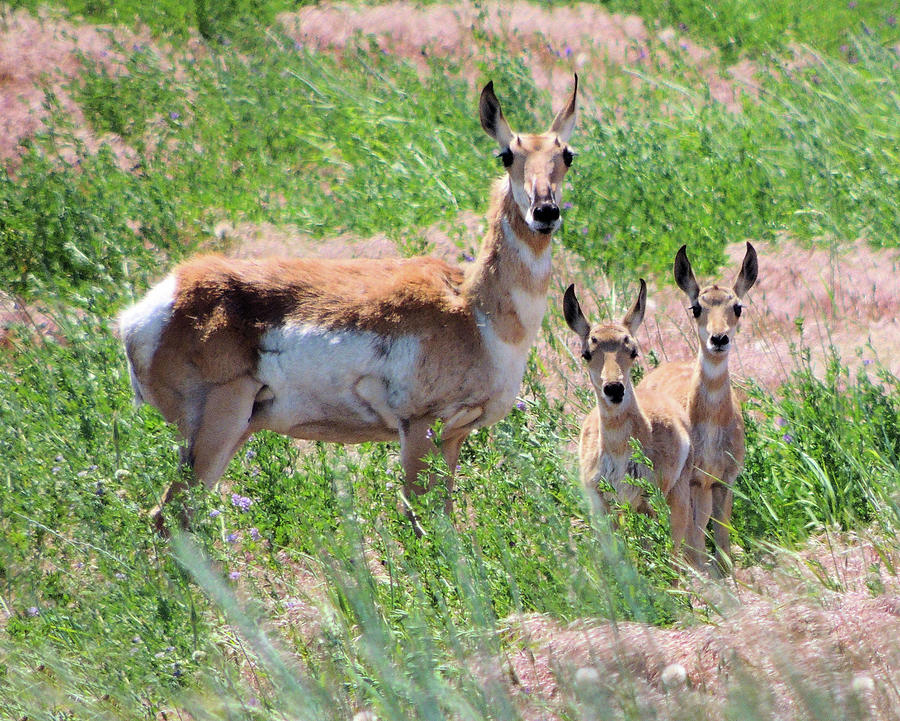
(738, 27)
(827, 454)
(105, 620)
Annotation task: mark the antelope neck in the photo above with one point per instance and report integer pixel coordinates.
(509, 279)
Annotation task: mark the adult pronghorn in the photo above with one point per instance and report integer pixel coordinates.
(357, 350)
(656, 420)
(704, 388)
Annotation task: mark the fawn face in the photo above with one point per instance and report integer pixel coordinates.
(716, 309)
(610, 350)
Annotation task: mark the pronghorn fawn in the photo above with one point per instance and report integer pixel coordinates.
(704, 388)
(357, 350)
(655, 420)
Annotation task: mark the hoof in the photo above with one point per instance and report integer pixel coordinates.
(158, 521)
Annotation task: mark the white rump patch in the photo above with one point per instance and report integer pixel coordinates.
(141, 327)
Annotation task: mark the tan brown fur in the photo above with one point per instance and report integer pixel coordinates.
(703, 387)
(469, 333)
(657, 421)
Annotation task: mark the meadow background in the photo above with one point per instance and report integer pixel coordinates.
(134, 134)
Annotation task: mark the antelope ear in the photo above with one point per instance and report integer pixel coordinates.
(564, 122)
(492, 119)
(684, 275)
(747, 277)
(635, 316)
(574, 317)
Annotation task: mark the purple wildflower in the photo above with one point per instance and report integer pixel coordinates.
(234, 575)
(33, 611)
(250, 454)
(584, 231)
(254, 533)
(684, 46)
(844, 49)
(787, 438)
(120, 576)
(298, 45)
(566, 205)
(866, 29)
(642, 54)
(215, 512)
(241, 502)
(867, 361)
(852, 4)
(568, 51)
(520, 404)
(891, 21)
(174, 115)
(468, 258)
(780, 422)
(429, 433)
(232, 538)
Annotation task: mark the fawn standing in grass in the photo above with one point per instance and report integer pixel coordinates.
(657, 421)
(357, 350)
(704, 388)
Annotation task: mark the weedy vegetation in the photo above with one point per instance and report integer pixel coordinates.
(302, 592)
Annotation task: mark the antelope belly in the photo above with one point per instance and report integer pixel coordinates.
(313, 375)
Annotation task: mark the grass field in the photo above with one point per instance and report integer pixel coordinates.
(302, 592)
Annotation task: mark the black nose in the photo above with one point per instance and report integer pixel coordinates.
(614, 391)
(546, 213)
(719, 340)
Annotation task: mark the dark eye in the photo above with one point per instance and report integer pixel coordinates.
(696, 310)
(633, 353)
(586, 354)
(737, 309)
(568, 157)
(507, 157)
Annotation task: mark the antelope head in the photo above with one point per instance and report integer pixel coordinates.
(536, 164)
(610, 350)
(716, 309)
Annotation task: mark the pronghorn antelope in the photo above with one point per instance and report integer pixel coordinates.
(357, 350)
(704, 388)
(657, 421)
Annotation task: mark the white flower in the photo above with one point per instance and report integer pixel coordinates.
(673, 676)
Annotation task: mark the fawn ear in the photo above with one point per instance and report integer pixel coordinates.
(564, 122)
(492, 119)
(635, 316)
(684, 275)
(576, 320)
(572, 311)
(747, 277)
